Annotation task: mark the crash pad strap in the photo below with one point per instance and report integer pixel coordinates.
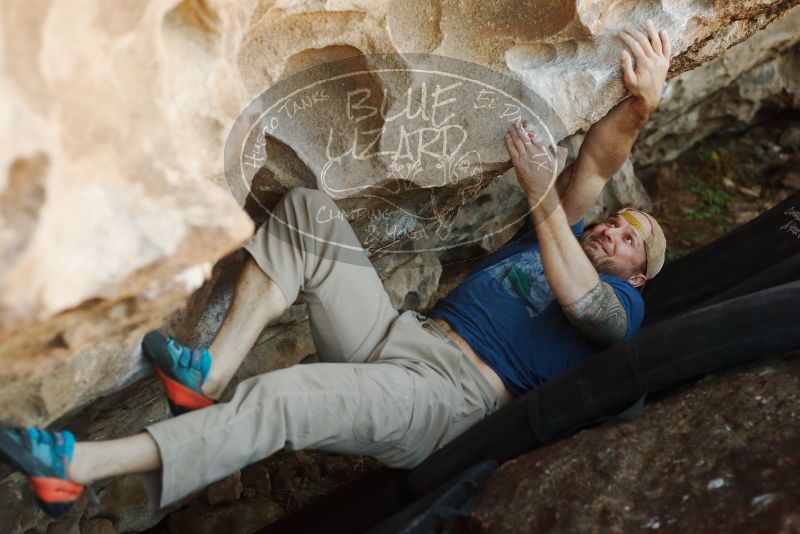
(536, 422)
(632, 353)
(543, 433)
(634, 410)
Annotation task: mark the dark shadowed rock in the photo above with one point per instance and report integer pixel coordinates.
(227, 490)
(256, 481)
(98, 526)
(238, 518)
(722, 455)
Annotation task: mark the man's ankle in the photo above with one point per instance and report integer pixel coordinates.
(79, 468)
(212, 387)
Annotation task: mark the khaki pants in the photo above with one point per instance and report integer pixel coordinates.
(391, 387)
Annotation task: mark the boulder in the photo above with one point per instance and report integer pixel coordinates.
(241, 517)
(98, 526)
(410, 278)
(107, 229)
(225, 491)
(256, 481)
(791, 138)
(760, 75)
(720, 455)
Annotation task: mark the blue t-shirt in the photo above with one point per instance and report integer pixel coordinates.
(507, 312)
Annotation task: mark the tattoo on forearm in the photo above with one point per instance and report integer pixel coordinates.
(599, 315)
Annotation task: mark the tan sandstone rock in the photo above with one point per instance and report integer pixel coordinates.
(115, 120)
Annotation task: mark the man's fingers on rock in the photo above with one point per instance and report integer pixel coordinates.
(512, 150)
(634, 46)
(512, 132)
(627, 66)
(666, 45)
(655, 40)
(518, 143)
(522, 134)
(643, 41)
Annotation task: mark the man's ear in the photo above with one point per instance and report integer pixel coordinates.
(637, 280)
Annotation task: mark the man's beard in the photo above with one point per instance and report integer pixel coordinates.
(604, 265)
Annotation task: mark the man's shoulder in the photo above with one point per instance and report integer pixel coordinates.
(630, 298)
(621, 285)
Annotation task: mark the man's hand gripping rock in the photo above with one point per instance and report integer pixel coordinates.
(645, 80)
(537, 166)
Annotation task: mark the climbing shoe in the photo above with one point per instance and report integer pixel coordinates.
(43, 456)
(182, 371)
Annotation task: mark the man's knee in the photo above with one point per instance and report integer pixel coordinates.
(270, 383)
(316, 209)
(312, 199)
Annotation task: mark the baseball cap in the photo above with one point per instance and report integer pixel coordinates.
(655, 243)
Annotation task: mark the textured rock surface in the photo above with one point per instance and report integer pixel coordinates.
(761, 74)
(227, 490)
(236, 518)
(98, 526)
(410, 279)
(718, 456)
(115, 119)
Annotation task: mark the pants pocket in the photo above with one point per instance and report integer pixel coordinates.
(430, 422)
(463, 419)
(386, 406)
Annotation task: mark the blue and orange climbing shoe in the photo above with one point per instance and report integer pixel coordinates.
(43, 456)
(181, 370)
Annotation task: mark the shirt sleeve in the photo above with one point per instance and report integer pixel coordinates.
(577, 228)
(630, 299)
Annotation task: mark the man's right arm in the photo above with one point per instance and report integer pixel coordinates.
(608, 142)
(588, 302)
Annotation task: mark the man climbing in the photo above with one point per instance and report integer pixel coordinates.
(393, 386)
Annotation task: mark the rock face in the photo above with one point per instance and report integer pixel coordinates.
(624, 190)
(718, 456)
(115, 121)
(759, 75)
(114, 204)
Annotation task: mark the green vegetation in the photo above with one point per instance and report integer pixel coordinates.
(721, 182)
(713, 200)
(672, 254)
